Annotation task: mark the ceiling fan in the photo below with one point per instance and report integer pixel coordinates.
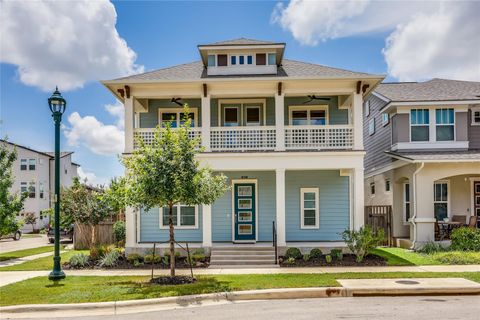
(177, 101)
(313, 97)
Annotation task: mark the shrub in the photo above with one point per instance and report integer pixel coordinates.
(337, 254)
(316, 253)
(79, 260)
(97, 252)
(457, 257)
(110, 259)
(306, 257)
(290, 261)
(466, 239)
(328, 258)
(431, 248)
(197, 257)
(119, 231)
(363, 241)
(137, 263)
(167, 253)
(150, 257)
(132, 257)
(294, 253)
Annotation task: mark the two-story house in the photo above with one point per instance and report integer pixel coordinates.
(287, 134)
(34, 174)
(423, 154)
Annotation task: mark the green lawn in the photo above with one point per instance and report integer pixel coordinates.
(24, 253)
(95, 289)
(31, 235)
(44, 263)
(403, 257)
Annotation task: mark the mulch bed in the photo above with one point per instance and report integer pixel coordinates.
(348, 261)
(173, 280)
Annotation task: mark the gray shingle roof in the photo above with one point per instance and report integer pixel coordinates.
(240, 42)
(433, 156)
(289, 68)
(432, 90)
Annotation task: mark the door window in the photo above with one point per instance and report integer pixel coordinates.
(440, 200)
(231, 117)
(252, 116)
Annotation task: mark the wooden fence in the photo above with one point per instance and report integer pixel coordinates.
(380, 217)
(83, 234)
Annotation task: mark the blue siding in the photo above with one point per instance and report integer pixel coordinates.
(150, 228)
(150, 118)
(336, 116)
(334, 204)
(222, 208)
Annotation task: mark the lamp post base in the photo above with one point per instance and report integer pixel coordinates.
(56, 275)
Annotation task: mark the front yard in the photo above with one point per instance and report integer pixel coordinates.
(77, 289)
(403, 257)
(24, 253)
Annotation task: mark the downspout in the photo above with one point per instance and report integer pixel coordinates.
(414, 194)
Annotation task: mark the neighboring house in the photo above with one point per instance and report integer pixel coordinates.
(287, 134)
(33, 172)
(423, 153)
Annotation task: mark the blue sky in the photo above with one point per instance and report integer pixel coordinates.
(164, 34)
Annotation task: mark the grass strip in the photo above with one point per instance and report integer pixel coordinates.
(24, 253)
(39, 264)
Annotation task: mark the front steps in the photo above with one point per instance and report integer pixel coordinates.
(242, 256)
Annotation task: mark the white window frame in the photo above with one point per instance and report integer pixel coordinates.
(30, 185)
(262, 103)
(25, 184)
(308, 109)
(373, 187)
(371, 127)
(475, 109)
(317, 207)
(34, 161)
(389, 182)
(179, 112)
(405, 202)
(367, 108)
(41, 190)
(449, 124)
(447, 182)
(385, 119)
(428, 125)
(259, 116)
(25, 161)
(178, 226)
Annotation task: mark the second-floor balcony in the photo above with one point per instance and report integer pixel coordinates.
(268, 138)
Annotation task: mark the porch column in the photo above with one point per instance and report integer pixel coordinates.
(357, 109)
(206, 122)
(128, 104)
(130, 228)
(280, 205)
(207, 225)
(423, 208)
(358, 194)
(280, 121)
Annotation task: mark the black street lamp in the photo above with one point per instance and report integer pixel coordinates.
(57, 106)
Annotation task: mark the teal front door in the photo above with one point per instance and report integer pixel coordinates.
(245, 204)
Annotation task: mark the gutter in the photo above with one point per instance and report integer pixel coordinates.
(414, 194)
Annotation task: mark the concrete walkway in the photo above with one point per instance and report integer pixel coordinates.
(7, 277)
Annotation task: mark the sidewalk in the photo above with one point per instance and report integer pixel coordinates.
(7, 277)
(13, 262)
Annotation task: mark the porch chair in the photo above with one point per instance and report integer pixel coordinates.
(460, 218)
(473, 222)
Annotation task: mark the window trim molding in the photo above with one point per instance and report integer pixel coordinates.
(308, 108)
(447, 182)
(317, 208)
(473, 110)
(428, 125)
(385, 123)
(178, 226)
(262, 103)
(372, 195)
(404, 202)
(370, 122)
(178, 111)
(385, 185)
(454, 124)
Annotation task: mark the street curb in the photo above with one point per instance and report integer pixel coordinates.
(122, 307)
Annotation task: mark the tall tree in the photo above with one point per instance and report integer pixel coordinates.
(166, 173)
(10, 204)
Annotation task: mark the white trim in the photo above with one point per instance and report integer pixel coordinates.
(178, 226)
(371, 127)
(472, 195)
(259, 123)
(241, 102)
(385, 123)
(454, 124)
(404, 203)
(473, 110)
(241, 181)
(308, 108)
(179, 112)
(280, 206)
(316, 191)
(385, 185)
(428, 125)
(447, 182)
(463, 103)
(381, 97)
(366, 106)
(430, 145)
(370, 185)
(397, 164)
(239, 116)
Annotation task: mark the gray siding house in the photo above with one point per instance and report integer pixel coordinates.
(423, 155)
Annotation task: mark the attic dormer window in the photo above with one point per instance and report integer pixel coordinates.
(261, 59)
(211, 60)
(272, 59)
(222, 60)
(233, 60)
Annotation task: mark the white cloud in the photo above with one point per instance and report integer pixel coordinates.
(100, 138)
(443, 44)
(428, 38)
(64, 43)
(90, 177)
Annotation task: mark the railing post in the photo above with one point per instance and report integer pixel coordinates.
(206, 122)
(280, 121)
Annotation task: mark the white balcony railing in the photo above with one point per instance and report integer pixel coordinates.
(242, 138)
(319, 137)
(148, 134)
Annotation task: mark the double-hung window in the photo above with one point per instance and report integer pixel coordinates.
(388, 186)
(211, 60)
(440, 200)
(309, 116)
(476, 116)
(445, 124)
(309, 208)
(419, 125)
(406, 202)
(32, 164)
(372, 188)
(184, 217)
(41, 189)
(23, 164)
(31, 189)
(23, 187)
